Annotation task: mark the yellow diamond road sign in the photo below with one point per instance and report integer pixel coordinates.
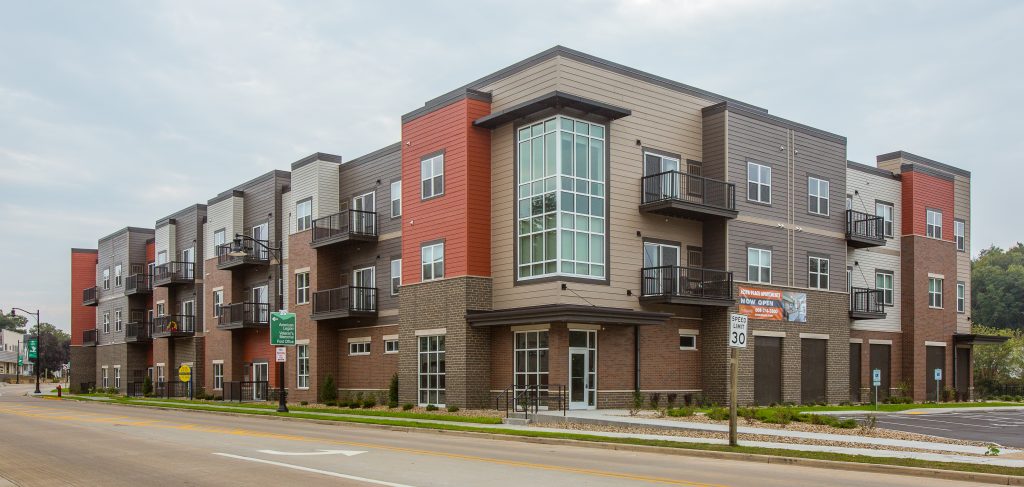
(185, 373)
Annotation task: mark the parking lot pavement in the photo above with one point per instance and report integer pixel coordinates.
(1002, 427)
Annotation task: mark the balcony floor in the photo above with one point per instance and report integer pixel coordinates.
(342, 238)
(682, 209)
(866, 315)
(688, 300)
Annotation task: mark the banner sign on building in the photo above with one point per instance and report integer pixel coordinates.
(773, 304)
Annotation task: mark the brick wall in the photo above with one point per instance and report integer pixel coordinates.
(922, 191)
(921, 256)
(83, 366)
(895, 365)
(366, 372)
(83, 276)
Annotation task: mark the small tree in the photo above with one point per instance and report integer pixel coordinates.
(393, 392)
(328, 392)
(147, 387)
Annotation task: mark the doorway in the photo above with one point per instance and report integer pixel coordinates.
(812, 373)
(261, 233)
(260, 308)
(260, 373)
(935, 358)
(855, 373)
(962, 380)
(767, 370)
(363, 284)
(582, 369)
(660, 269)
(881, 360)
(363, 214)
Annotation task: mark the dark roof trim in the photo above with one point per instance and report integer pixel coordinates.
(372, 156)
(316, 156)
(84, 251)
(150, 240)
(128, 230)
(555, 99)
(972, 339)
(445, 100)
(567, 53)
(566, 313)
(184, 211)
(926, 170)
(923, 160)
(240, 189)
(225, 195)
(762, 115)
(872, 170)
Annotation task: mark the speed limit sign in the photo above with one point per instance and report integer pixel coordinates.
(738, 331)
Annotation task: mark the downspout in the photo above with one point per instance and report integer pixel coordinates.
(636, 355)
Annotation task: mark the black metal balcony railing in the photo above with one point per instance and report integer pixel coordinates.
(174, 273)
(89, 296)
(663, 193)
(244, 315)
(864, 230)
(254, 254)
(686, 283)
(89, 337)
(344, 301)
(137, 331)
(138, 284)
(867, 303)
(173, 325)
(346, 225)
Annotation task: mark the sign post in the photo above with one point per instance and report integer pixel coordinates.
(737, 340)
(876, 380)
(938, 380)
(185, 375)
(282, 334)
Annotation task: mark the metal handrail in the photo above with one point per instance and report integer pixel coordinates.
(345, 222)
(89, 336)
(680, 186)
(173, 324)
(864, 225)
(345, 298)
(253, 252)
(177, 270)
(138, 282)
(89, 294)
(867, 300)
(138, 330)
(673, 280)
(247, 312)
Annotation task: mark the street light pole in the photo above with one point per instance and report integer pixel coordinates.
(39, 341)
(17, 377)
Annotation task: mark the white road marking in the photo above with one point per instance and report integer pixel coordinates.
(313, 470)
(880, 423)
(347, 453)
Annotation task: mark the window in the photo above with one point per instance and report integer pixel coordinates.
(188, 256)
(218, 376)
(396, 199)
(432, 261)
(304, 214)
(759, 183)
(432, 176)
(302, 288)
(561, 220)
(106, 278)
(431, 370)
(219, 237)
(160, 378)
(817, 196)
(935, 292)
(958, 233)
(391, 346)
(885, 210)
(161, 309)
(105, 370)
(687, 341)
(759, 265)
(359, 348)
(218, 302)
(117, 377)
(118, 322)
(817, 272)
(161, 257)
(106, 322)
(933, 227)
(661, 177)
(117, 276)
(396, 276)
(531, 360)
(302, 364)
(884, 281)
(961, 297)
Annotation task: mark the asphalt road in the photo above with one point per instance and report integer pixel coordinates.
(1003, 427)
(51, 443)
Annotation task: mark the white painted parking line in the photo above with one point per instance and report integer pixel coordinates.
(970, 425)
(313, 470)
(347, 453)
(880, 423)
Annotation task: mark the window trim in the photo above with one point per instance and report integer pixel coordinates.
(118, 320)
(690, 335)
(827, 199)
(118, 275)
(395, 289)
(938, 295)
(224, 237)
(298, 367)
(218, 377)
(827, 275)
(355, 348)
(429, 157)
(892, 276)
(434, 276)
(302, 293)
(308, 217)
(770, 262)
(218, 304)
(420, 374)
(393, 199)
(387, 345)
(890, 230)
(759, 183)
(960, 237)
(961, 297)
(106, 322)
(928, 232)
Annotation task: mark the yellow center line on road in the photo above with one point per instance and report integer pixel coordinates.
(308, 439)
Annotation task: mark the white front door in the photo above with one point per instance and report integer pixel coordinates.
(582, 369)
(188, 316)
(260, 308)
(363, 283)
(660, 274)
(189, 257)
(261, 233)
(260, 373)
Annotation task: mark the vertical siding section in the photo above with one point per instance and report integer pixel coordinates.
(83, 276)
(962, 211)
(327, 201)
(866, 189)
(220, 216)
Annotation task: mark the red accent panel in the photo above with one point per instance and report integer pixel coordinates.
(923, 191)
(256, 345)
(83, 275)
(462, 216)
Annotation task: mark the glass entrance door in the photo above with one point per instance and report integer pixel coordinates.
(260, 307)
(582, 369)
(363, 285)
(260, 373)
(261, 233)
(362, 216)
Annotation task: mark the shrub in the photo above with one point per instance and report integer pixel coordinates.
(355, 403)
(655, 400)
(681, 412)
(670, 398)
(431, 407)
(407, 406)
(948, 394)
(717, 413)
(303, 403)
(147, 387)
(393, 392)
(698, 400)
(453, 409)
(369, 402)
(638, 403)
(328, 391)
(331, 403)
(899, 400)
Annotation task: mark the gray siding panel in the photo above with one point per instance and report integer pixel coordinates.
(808, 244)
(824, 160)
(753, 140)
(744, 234)
(375, 174)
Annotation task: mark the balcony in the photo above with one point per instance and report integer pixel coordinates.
(344, 302)
(138, 284)
(254, 255)
(174, 274)
(243, 315)
(347, 226)
(864, 230)
(89, 338)
(137, 332)
(867, 304)
(686, 285)
(173, 326)
(681, 195)
(89, 296)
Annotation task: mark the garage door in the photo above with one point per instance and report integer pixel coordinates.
(767, 370)
(935, 358)
(881, 358)
(963, 370)
(855, 372)
(812, 370)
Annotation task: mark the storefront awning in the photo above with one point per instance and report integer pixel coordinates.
(566, 313)
(971, 339)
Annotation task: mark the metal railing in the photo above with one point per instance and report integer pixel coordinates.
(526, 398)
(346, 298)
(137, 331)
(89, 296)
(89, 337)
(245, 391)
(863, 225)
(138, 283)
(243, 314)
(135, 389)
(171, 324)
(691, 282)
(174, 272)
(679, 186)
(254, 253)
(863, 300)
(345, 223)
(171, 388)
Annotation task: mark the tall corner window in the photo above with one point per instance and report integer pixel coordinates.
(304, 214)
(561, 190)
(959, 231)
(432, 176)
(759, 183)
(432, 261)
(759, 265)
(884, 280)
(302, 288)
(531, 360)
(817, 272)
(396, 199)
(961, 297)
(935, 292)
(431, 370)
(817, 196)
(933, 223)
(396, 276)
(302, 366)
(886, 211)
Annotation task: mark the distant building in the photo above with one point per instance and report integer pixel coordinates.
(11, 343)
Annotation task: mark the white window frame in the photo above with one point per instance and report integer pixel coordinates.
(106, 377)
(959, 232)
(118, 320)
(887, 211)
(160, 377)
(396, 276)
(106, 322)
(761, 253)
(391, 346)
(304, 214)
(933, 223)
(431, 175)
(525, 373)
(302, 366)
(117, 377)
(935, 292)
(888, 293)
(218, 302)
(429, 259)
(218, 376)
(361, 347)
(814, 278)
(961, 297)
(763, 182)
(437, 355)
(118, 280)
(106, 278)
(818, 190)
(302, 287)
(689, 336)
(220, 237)
(396, 199)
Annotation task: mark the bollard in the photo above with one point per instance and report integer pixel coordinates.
(59, 390)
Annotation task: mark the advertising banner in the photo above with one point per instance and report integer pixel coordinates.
(773, 304)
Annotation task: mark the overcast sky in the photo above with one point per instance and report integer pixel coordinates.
(116, 114)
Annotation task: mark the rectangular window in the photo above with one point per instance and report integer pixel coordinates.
(302, 364)
(759, 265)
(106, 322)
(106, 278)
(390, 346)
(161, 257)
(431, 370)
(302, 288)
(432, 261)
(219, 237)
(817, 272)
(561, 199)
(117, 276)
(886, 211)
(396, 199)
(118, 322)
(759, 183)
(687, 342)
(817, 196)
(218, 302)
(934, 223)
(359, 348)
(304, 214)
(432, 176)
(531, 360)
(105, 384)
(160, 377)
(218, 376)
(884, 281)
(396, 276)
(959, 233)
(935, 292)
(961, 297)
(117, 377)
(160, 309)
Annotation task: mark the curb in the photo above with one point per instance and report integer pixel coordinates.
(933, 473)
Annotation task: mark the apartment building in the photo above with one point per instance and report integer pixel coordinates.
(12, 345)
(580, 228)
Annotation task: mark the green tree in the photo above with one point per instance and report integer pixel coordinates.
(13, 323)
(999, 363)
(997, 287)
(54, 347)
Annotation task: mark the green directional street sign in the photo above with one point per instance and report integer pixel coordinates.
(33, 348)
(282, 328)
(19, 360)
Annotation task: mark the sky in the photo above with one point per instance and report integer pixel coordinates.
(120, 113)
